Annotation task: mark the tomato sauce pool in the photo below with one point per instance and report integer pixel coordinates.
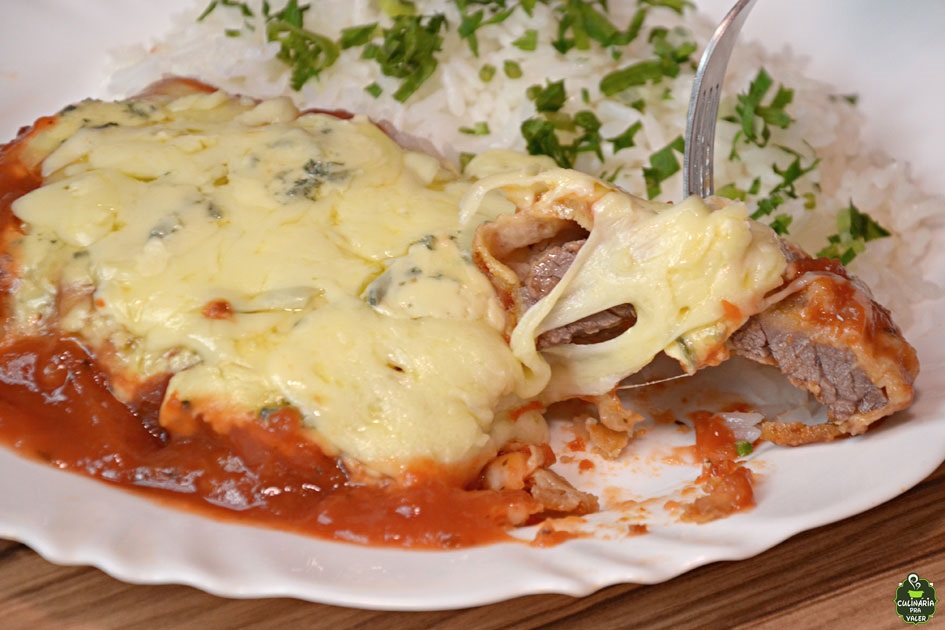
(55, 406)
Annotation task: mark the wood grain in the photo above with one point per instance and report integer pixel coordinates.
(840, 575)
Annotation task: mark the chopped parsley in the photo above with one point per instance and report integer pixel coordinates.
(754, 118)
(639, 73)
(757, 110)
(406, 44)
(541, 138)
(464, 159)
(781, 223)
(625, 139)
(558, 135)
(512, 69)
(589, 139)
(679, 6)
(731, 191)
(743, 448)
(242, 6)
(854, 230)
(611, 177)
(306, 52)
(663, 165)
(393, 8)
(582, 22)
(479, 129)
(784, 189)
(407, 51)
(528, 41)
(471, 20)
(357, 35)
(671, 49)
(550, 98)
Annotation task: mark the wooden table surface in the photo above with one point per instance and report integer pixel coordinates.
(840, 575)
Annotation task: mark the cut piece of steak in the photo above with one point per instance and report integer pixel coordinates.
(595, 328)
(548, 263)
(828, 336)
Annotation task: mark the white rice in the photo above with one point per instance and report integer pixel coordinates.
(824, 126)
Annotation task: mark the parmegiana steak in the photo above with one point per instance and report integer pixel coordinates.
(232, 260)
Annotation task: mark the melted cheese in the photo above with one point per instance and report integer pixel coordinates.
(333, 252)
(683, 267)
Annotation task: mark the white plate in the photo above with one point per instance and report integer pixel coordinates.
(52, 52)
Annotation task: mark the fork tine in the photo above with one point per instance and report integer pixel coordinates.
(699, 151)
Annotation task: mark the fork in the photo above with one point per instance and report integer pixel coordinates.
(704, 102)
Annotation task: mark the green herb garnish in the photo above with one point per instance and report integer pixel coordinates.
(357, 35)
(472, 20)
(479, 129)
(541, 139)
(743, 448)
(242, 6)
(731, 191)
(667, 63)
(590, 138)
(550, 98)
(854, 230)
(408, 51)
(671, 55)
(663, 165)
(581, 22)
(781, 223)
(528, 41)
(562, 137)
(306, 52)
(756, 119)
(464, 159)
(625, 139)
(786, 188)
(394, 8)
(374, 90)
(639, 73)
(512, 69)
(679, 6)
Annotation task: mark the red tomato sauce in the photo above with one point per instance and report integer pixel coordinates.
(727, 484)
(56, 407)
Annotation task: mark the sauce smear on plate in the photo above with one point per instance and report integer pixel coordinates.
(55, 407)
